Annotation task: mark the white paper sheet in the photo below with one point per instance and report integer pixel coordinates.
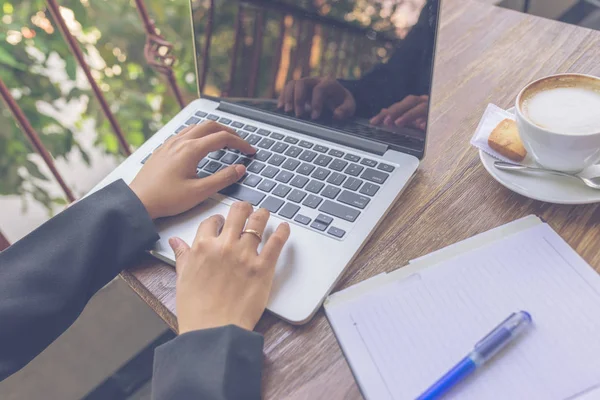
(401, 338)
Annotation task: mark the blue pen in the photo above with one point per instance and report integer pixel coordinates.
(485, 349)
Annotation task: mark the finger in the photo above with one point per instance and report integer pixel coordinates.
(217, 181)
(206, 128)
(300, 97)
(236, 219)
(281, 100)
(319, 95)
(288, 96)
(398, 109)
(420, 111)
(220, 140)
(378, 119)
(181, 249)
(257, 222)
(272, 249)
(346, 109)
(210, 227)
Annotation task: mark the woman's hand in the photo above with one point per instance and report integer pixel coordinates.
(410, 111)
(167, 183)
(221, 278)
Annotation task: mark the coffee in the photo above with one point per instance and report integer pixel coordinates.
(565, 104)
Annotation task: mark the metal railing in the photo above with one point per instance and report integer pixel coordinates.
(158, 54)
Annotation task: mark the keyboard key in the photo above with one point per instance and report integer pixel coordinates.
(299, 181)
(291, 140)
(353, 199)
(243, 193)
(266, 185)
(256, 167)
(273, 204)
(216, 155)
(305, 144)
(321, 149)
(308, 155)
(354, 169)
(337, 232)
(314, 186)
(321, 174)
(281, 190)
(148, 156)
(369, 189)
(203, 162)
(236, 151)
(330, 192)
(284, 176)
(182, 127)
(312, 201)
(352, 157)
(192, 121)
(242, 134)
(339, 210)
(368, 163)
(289, 210)
(243, 161)
(270, 171)
(263, 155)
(336, 178)
(290, 164)
(277, 159)
(243, 177)
(338, 165)
(229, 158)
(385, 167)
(202, 174)
(263, 132)
(253, 139)
(374, 176)
(336, 153)
(293, 151)
(224, 121)
(201, 114)
(302, 219)
(323, 160)
(305, 169)
(237, 124)
(279, 147)
(318, 226)
(352, 183)
(250, 128)
(212, 117)
(266, 143)
(212, 166)
(252, 180)
(296, 196)
(277, 136)
(324, 219)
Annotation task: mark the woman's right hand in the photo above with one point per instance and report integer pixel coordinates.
(221, 278)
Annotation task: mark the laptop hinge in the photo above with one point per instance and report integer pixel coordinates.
(305, 128)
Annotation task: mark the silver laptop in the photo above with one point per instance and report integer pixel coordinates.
(333, 180)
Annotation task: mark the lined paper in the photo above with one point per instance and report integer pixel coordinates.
(403, 336)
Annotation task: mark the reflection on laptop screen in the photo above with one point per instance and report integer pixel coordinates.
(360, 67)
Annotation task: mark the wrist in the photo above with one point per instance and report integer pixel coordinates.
(144, 199)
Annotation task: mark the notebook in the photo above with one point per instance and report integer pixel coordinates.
(401, 331)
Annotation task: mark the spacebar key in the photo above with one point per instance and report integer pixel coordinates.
(339, 210)
(243, 193)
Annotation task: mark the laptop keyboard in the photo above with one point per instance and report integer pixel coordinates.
(288, 176)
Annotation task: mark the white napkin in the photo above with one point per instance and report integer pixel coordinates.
(492, 116)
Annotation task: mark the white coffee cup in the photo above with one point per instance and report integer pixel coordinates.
(558, 121)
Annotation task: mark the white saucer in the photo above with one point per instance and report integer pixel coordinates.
(544, 187)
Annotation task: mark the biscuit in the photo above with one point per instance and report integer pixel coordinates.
(506, 141)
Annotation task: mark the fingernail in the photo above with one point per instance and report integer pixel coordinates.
(174, 242)
(387, 121)
(240, 170)
(399, 121)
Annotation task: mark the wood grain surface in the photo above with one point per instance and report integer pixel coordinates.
(484, 54)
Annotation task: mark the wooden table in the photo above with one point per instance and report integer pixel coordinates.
(484, 54)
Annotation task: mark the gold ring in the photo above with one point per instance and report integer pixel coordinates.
(253, 232)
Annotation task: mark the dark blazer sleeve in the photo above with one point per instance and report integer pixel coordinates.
(212, 364)
(48, 277)
(408, 70)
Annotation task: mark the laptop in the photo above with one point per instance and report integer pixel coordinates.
(333, 180)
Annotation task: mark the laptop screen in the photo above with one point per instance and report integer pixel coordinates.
(363, 68)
